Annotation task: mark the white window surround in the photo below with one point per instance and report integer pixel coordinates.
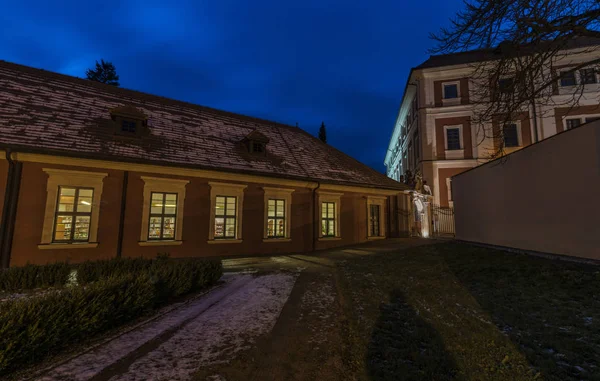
(163, 185)
(451, 101)
(335, 198)
(62, 177)
(278, 194)
(454, 153)
(375, 200)
(231, 190)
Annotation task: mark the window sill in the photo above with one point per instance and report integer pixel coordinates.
(330, 238)
(160, 243)
(375, 238)
(455, 154)
(451, 101)
(53, 246)
(277, 240)
(217, 241)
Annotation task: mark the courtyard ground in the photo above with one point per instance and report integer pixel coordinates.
(389, 310)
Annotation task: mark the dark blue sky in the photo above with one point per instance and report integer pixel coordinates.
(341, 62)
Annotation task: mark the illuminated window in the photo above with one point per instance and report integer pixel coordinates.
(511, 135)
(225, 217)
(73, 214)
(226, 212)
(163, 216)
(72, 209)
(328, 219)
(275, 218)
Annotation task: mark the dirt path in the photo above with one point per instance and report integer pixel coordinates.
(305, 344)
(214, 327)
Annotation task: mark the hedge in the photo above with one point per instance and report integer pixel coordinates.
(31, 277)
(33, 328)
(34, 276)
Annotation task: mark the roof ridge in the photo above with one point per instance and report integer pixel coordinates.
(111, 88)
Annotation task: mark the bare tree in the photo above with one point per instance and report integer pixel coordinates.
(521, 46)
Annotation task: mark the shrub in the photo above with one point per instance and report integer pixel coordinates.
(93, 271)
(34, 276)
(32, 328)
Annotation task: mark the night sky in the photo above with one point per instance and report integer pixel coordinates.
(341, 62)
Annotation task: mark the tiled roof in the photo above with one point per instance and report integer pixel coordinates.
(479, 55)
(41, 111)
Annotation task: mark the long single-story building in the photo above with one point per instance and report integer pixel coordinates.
(91, 171)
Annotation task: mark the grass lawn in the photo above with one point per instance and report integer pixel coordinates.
(454, 311)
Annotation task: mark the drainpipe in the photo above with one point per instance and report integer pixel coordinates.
(9, 211)
(314, 217)
(122, 214)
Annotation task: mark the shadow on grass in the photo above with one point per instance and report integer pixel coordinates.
(549, 309)
(404, 346)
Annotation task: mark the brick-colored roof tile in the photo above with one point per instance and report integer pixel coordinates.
(55, 113)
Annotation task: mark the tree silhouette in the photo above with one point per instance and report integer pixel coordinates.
(105, 72)
(528, 42)
(323, 133)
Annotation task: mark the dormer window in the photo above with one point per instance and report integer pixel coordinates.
(128, 126)
(258, 147)
(129, 121)
(256, 143)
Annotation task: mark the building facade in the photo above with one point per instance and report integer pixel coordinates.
(90, 171)
(434, 134)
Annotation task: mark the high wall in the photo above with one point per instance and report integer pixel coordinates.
(32, 204)
(542, 198)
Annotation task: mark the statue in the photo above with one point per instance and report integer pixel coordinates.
(419, 183)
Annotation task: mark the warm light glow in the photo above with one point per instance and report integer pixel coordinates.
(167, 205)
(85, 203)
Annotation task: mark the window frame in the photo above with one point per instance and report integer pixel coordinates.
(162, 215)
(334, 198)
(578, 119)
(517, 125)
(446, 84)
(454, 153)
(573, 73)
(226, 216)
(226, 190)
(72, 179)
(162, 185)
(509, 90)
(582, 77)
(380, 202)
(73, 215)
(271, 193)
